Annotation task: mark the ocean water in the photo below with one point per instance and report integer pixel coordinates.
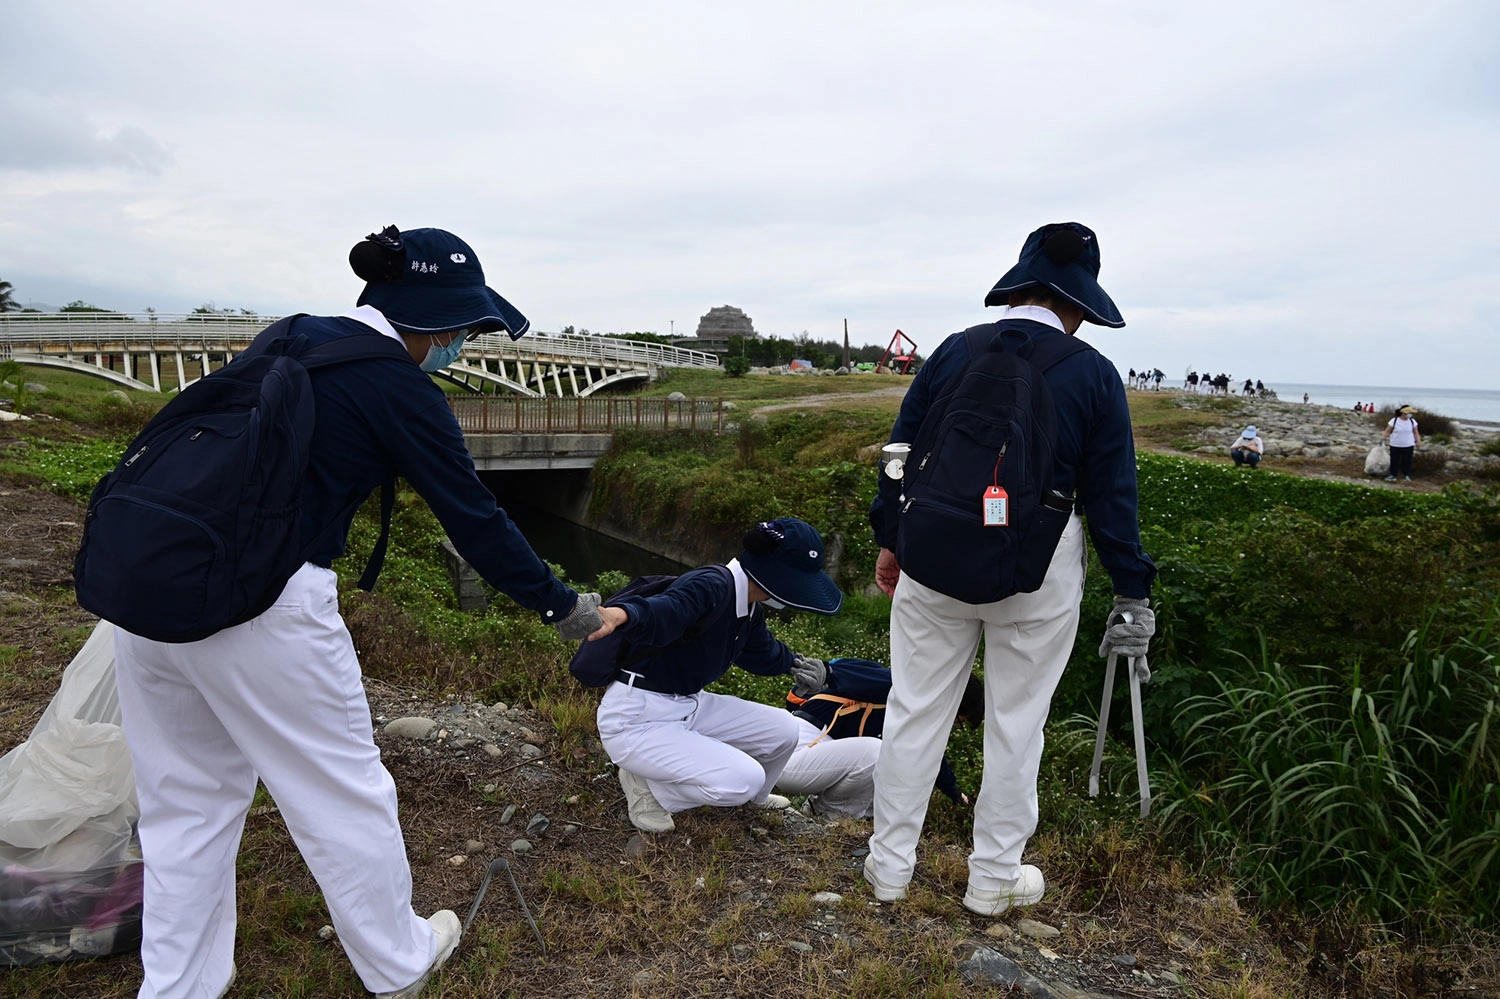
(1472, 405)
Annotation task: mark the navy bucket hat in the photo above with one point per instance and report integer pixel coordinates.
(429, 281)
(785, 558)
(1064, 256)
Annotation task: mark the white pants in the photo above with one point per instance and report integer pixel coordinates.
(701, 749)
(1027, 640)
(278, 697)
(841, 772)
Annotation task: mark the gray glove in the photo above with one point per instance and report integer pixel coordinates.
(583, 620)
(1128, 632)
(811, 674)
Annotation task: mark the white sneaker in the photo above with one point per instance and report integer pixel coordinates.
(646, 813)
(884, 892)
(777, 802)
(1028, 890)
(448, 929)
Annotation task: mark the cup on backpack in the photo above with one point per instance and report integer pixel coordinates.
(893, 460)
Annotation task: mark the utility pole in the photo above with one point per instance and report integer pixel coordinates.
(846, 345)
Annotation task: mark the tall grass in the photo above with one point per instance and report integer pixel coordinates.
(1333, 790)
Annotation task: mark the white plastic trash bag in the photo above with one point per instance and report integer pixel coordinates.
(76, 766)
(70, 873)
(1378, 461)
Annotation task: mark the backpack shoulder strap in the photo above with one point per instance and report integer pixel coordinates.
(351, 347)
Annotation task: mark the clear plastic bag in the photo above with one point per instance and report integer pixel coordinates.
(70, 871)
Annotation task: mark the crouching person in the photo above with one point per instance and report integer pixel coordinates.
(841, 725)
(677, 745)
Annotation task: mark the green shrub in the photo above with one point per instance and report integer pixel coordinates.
(736, 367)
(1328, 787)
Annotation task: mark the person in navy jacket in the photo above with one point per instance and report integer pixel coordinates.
(1050, 292)
(677, 745)
(280, 697)
(834, 763)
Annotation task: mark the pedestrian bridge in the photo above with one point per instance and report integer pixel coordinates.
(516, 434)
(149, 351)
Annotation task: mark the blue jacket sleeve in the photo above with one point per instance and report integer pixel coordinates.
(427, 448)
(660, 620)
(1106, 488)
(947, 781)
(764, 654)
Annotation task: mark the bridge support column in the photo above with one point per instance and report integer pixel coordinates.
(153, 360)
(127, 365)
(181, 375)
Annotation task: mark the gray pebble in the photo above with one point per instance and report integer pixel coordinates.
(473, 846)
(635, 847)
(508, 814)
(1038, 931)
(462, 742)
(326, 933)
(827, 898)
(1125, 960)
(490, 749)
(800, 946)
(520, 847)
(539, 824)
(499, 707)
(530, 752)
(411, 727)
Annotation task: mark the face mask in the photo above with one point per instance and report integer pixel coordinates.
(439, 358)
(774, 604)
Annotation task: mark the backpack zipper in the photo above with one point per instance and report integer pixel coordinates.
(131, 460)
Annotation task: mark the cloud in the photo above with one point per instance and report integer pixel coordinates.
(43, 134)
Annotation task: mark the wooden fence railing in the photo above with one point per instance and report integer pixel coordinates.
(592, 415)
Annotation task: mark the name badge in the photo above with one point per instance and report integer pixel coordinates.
(996, 505)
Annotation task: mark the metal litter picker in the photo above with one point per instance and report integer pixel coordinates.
(1135, 663)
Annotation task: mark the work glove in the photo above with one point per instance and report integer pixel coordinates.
(583, 620)
(811, 674)
(1128, 631)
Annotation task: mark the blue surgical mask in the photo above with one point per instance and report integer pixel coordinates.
(439, 358)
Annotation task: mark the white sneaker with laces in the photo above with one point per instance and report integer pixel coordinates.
(646, 813)
(1028, 890)
(448, 929)
(884, 891)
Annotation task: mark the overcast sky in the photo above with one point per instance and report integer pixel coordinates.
(1294, 191)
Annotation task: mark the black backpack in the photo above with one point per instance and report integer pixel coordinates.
(596, 664)
(856, 690)
(198, 528)
(993, 427)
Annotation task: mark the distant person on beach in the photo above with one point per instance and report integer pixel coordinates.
(1305, 399)
(1248, 448)
(1370, 407)
(1402, 432)
(1359, 407)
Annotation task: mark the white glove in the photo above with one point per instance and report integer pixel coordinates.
(811, 674)
(1128, 631)
(583, 620)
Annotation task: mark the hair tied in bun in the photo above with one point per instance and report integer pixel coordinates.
(380, 256)
(763, 539)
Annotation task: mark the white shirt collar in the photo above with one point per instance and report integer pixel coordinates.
(741, 588)
(1036, 313)
(375, 319)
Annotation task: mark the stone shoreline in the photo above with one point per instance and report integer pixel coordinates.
(1309, 430)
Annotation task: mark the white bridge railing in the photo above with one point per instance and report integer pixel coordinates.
(93, 333)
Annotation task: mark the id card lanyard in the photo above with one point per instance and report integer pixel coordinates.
(996, 502)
